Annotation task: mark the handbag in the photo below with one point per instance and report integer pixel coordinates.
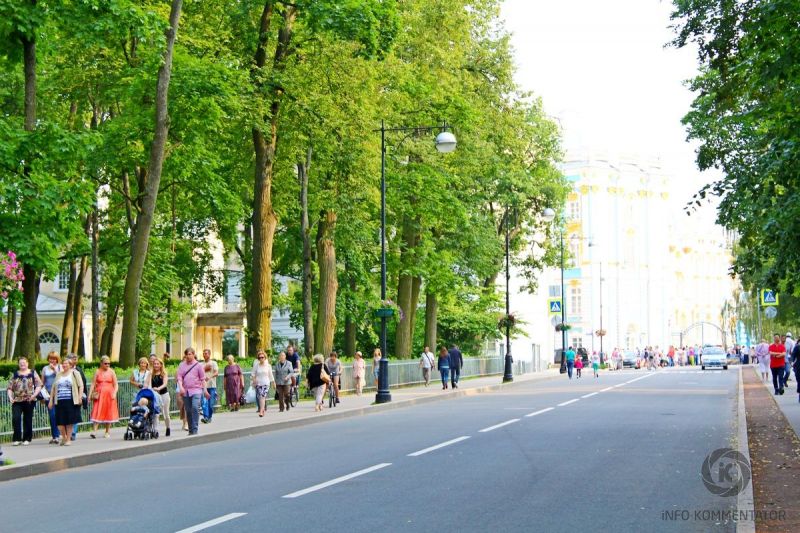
(323, 375)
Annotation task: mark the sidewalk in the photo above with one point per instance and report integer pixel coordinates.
(41, 457)
(788, 403)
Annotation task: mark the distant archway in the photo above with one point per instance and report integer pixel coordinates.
(701, 325)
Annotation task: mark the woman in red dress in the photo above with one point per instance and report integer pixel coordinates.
(104, 397)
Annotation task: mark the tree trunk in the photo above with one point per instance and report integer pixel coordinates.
(149, 194)
(328, 283)
(264, 220)
(416, 283)
(308, 275)
(431, 308)
(12, 324)
(95, 280)
(350, 325)
(28, 332)
(405, 298)
(68, 324)
(77, 312)
(107, 338)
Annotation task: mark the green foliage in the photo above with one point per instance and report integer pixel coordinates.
(351, 65)
(745, 118)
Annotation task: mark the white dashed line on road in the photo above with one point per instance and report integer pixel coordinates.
(432, 448)
(589, 395)
(607, 389)
(211, 523)
(540, 411)
(496, 426)
(562, 404)
(337, 480)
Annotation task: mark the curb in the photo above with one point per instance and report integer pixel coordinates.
(13, 472)
(745, 505)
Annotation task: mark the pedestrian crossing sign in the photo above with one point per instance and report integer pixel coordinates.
(769, 298)
(554, 305)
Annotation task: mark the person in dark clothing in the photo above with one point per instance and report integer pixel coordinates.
(456, 363)
(85, 400)
(796, 365)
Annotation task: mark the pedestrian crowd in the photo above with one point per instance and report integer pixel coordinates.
(62, 388)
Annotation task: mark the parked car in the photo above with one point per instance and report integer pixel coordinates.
(714, 357)
(630, 359)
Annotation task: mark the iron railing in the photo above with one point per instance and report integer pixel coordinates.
(401, 373)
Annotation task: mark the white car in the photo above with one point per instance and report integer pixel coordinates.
(714, 357)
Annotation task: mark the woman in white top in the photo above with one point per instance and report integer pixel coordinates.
(260, 380)
(142, 376)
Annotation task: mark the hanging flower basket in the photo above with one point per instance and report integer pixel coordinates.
(507, 321)
(389, 309)
(563, 327)
(600, 333)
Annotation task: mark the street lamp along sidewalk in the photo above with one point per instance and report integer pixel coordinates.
(445, 143)
(509, 320)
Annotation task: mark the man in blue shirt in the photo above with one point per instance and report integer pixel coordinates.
(293, 358)
(456, 362)
(570, 355)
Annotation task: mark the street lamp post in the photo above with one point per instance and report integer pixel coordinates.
(563, 366)
(445, 143)
(508, 371)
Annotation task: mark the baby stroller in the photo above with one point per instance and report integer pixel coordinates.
(141, 426)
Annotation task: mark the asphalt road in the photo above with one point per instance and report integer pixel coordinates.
(522, 459)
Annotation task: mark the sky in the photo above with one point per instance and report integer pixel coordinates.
(603, 70)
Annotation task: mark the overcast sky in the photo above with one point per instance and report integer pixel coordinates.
(601, 67)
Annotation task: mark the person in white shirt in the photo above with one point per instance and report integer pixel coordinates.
(787, 372)
(426, 362)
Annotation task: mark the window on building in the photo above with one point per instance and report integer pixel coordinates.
(575, 307)
(554, 291)
(48, 337)
(576, 342)
(233, 287)
(574, 250)
(574, 209)
(62, 281)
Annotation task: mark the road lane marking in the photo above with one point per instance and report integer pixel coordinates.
(562, 404)
(589, 395)
(211, 523)
(540, 411)
(335, 481)
(491, 428)
(432, 448)
(607, 389)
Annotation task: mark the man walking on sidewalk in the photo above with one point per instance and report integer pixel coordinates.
(777, 362)
(570, 355)
(456, 362)
(192, 386)
(426, 364)
(211, 369)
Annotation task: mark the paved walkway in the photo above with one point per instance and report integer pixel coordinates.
(40, 457)
(788, 403)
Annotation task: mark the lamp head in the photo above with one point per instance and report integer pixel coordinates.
(445, 142)
(548, 215)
